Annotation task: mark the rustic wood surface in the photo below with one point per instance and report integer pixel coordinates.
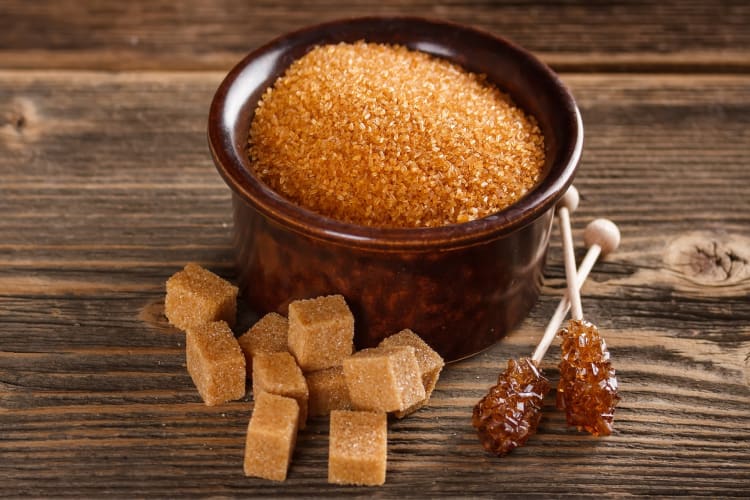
(107, 188)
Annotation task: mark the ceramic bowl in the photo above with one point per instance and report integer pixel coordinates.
(461, 287)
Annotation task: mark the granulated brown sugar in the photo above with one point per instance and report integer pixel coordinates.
(385, 136)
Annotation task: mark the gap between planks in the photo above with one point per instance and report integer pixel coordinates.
(724, 61)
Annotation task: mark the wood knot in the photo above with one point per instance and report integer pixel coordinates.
(18, 119)
(19, 123)
(153, 315)
(710, 258)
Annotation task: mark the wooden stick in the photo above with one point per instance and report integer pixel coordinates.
(567, 205)
(602, 237)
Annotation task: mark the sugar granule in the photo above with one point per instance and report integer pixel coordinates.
(381, 135)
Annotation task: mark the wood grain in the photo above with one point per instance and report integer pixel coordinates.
(693, 35)
(107, 188)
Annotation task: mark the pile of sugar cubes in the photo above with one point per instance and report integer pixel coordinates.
(300, 367)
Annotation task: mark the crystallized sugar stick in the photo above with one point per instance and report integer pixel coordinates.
(588, 386)
(509, 414)
(602, 237)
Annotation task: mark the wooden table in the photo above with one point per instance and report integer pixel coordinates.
(107, 188)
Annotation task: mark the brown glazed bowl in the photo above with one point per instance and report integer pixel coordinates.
(461, 287)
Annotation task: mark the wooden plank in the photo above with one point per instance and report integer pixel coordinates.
(671, 35)
(100, 177)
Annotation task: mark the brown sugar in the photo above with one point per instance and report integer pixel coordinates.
(384, 379)
(393, 138)
(215, 362)
(196, 296)
(321, 332)
(509, 414)
(271, 436)
(267, 335)
(278, 373)
(357, 448)
(430, 364)
(328, 391)
(588, 384)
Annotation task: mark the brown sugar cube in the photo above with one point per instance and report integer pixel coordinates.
(196, 296)
(271, 436)
(328, 391)
(215, 362)
(357, 448)
(384, 379)
(267, 335)
(321, 332)
(278, 373)
(430, 363)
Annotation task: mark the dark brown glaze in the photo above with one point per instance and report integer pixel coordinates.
(462, 287)
(460, 300)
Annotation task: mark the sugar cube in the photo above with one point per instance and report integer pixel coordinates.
(384, 379)
(215, 362)
(357, 448)
(278, 373)
(271, 436)
(196, 296)
(328, 391)
(430, 363)
(321, 332)
(267, 335)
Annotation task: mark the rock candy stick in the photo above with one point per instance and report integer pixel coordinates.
(602, 237)
(588, 386)
(510, 412)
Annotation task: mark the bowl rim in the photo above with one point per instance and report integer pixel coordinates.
(541, 198)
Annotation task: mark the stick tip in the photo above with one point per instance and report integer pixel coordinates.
(602, 232)
(570, 199)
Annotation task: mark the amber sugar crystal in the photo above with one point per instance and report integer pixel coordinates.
(328, 391)
(357, 448)
(430, 364)
(321, 332)
(588, 386)
(196, 296)
(384, 379)
(382, 135)
(271, 436)
(215, 362)
(509, 414)
(278, 373)
(267, 335)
